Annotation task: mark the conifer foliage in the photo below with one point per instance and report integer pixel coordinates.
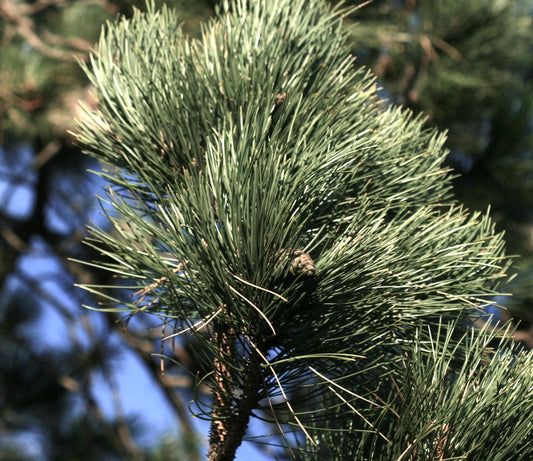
(274, 202)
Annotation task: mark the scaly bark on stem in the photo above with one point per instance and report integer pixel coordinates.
(230, 415)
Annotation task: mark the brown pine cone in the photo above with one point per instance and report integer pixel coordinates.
(302, 264)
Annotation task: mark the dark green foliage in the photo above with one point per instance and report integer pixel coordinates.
(448, 58)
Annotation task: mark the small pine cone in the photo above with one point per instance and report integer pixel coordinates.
(302, 264)
(280, 99)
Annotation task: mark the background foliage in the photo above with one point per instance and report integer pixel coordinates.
(469, 72)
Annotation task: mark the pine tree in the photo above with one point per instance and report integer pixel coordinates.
(274, 201)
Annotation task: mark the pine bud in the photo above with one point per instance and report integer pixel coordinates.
(280, 99)
(302, 264)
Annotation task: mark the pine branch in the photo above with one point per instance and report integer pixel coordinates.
(265, 193)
